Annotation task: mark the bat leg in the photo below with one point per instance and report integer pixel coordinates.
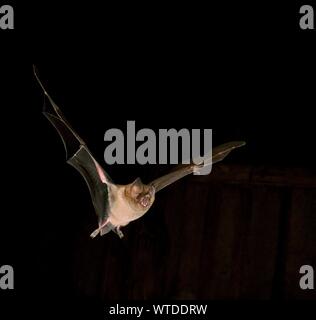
(95, 233)
(119, 232)
(101, 229)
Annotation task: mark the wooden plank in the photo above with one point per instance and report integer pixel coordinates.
(210, 236)
(195, 198)
(218, 278)
(175, 217)
(223, 236)
(259, 250)
(301, 242)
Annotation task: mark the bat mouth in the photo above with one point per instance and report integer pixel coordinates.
(145, 201)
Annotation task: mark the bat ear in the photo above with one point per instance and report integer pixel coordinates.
(137, 182)
(136, 187)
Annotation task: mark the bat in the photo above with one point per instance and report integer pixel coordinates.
(117, 205)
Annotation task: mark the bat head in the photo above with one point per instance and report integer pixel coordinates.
(141, 196)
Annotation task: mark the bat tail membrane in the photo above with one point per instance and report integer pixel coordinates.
(109, 227)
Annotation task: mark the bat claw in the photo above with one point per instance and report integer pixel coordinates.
(95, 233)
(119, 233)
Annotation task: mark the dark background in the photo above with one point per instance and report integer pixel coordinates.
(245, 70)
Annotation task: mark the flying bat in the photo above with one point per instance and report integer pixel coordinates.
(117, 205)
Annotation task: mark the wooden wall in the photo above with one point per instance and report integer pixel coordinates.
(240, 233)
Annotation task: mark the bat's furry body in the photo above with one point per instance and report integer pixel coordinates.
(117, 205)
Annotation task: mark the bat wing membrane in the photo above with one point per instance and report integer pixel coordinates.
(79, 156)
(218, 154)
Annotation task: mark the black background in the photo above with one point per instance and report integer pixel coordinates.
(245, 70)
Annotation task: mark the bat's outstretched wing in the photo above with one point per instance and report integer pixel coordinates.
(79, 156)
(218, 154)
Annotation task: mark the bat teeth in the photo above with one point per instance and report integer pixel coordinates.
(145, 201)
